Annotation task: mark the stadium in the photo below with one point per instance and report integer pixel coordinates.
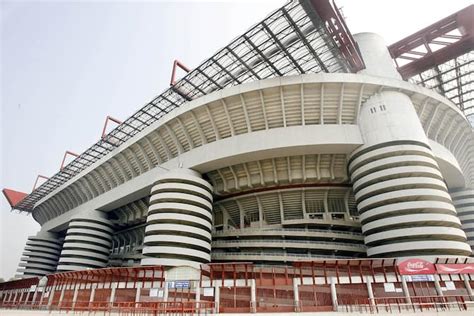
(300, 168)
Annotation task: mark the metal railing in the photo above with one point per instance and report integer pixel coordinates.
(403, 304)
(261, 230)
(129, 308)
(217, 242)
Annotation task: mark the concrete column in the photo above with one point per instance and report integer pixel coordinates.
(465, 278)
(437, 286)
(112, 294)
(198, 296)
(370, 291)
(334, 294)
(165, 292)
(91, 298)
(405, 290)
(137, 295)
(253, 296)
(217, 298)
(296, 282)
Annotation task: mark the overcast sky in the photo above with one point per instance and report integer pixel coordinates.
(66, 65)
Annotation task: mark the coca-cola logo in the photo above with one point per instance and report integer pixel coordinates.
(416, 266)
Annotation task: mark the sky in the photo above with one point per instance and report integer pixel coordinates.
(66, 65)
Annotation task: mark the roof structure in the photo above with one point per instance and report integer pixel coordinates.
(441, 57)
(306, 36)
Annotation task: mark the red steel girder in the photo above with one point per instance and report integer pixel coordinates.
(337, 28)
(422, 61)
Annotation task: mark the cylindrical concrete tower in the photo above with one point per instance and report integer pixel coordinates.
(87, 243)
(464, 203)
(41, 255)
(179, 221)
(403, 201)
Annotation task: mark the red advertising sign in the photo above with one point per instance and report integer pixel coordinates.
(455, 268)
(416, 266)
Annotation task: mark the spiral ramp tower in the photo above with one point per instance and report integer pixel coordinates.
(87, 243)
(404, 205)
(40, 256)
(464, 203)
(179, 221)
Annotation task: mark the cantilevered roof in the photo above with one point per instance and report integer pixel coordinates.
(306, 36)
(441, 57)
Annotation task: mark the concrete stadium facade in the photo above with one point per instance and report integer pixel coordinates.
(327, 165)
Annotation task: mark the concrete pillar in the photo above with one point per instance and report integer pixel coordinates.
(438, 286)
(165, 292)
(405, 290)
(465, 278)
(334, 294)
(137, 295)
(217, 298)
(370, 291)
(198, 297)
(91, 298)
(112, 293)
(253, 296)
(296, 282)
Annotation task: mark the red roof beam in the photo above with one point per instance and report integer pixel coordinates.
(37, 179)
(177, 64)
(434, 34)
(64, 158)
(337, 28)
(107, 119)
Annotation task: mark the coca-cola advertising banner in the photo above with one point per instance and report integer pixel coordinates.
(453, 268)
(416, 266)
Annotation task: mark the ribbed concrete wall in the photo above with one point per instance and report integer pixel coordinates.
(464, 203)
(40, 256)
(179, 221)
(88, 242)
